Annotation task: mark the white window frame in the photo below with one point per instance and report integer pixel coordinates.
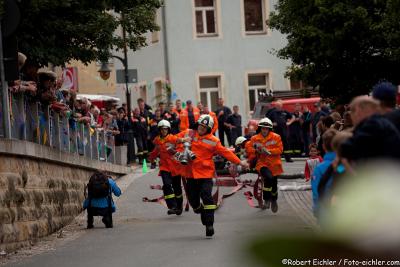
(220, 89)
(160, 80)
(217, 23)
(208, 92)
(155, 36)
(268, 85)
(265, 13)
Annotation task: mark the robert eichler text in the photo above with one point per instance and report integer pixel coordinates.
(340, 262)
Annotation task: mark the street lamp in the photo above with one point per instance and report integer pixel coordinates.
(105, 75)
(104, 69)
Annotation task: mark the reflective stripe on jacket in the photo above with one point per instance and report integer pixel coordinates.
(205, 147)
(167, 161)
(273, 143)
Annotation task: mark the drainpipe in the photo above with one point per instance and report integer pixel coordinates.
(165, 42)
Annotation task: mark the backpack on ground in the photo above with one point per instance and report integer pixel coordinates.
(98, 186)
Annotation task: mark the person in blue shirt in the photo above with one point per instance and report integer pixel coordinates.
(321, 168)
(102, 206)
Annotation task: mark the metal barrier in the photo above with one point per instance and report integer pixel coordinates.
(37, 123)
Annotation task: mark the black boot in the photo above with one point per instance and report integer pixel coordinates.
(209, 230)
(179, 203)
(288, 158)
(274, 206)
(267, 204)
(90, 220)
(107, 220)
(172, 211)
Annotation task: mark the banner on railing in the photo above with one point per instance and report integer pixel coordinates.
(70, 79)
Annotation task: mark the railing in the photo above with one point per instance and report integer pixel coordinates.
(37, 123)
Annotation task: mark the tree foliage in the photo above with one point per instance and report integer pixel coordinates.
(57, 31)
(343, 47)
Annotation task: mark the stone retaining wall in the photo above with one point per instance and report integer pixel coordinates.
(39, 192)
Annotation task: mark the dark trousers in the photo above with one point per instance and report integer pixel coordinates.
(270, 188)
(286, 149)
(106, 213)
(172, 189)
(295, 143)
(144, 142)
(235, 133)
(139, 144)
(306, 140)
(201, 189)
(131, 157)
(227, 132)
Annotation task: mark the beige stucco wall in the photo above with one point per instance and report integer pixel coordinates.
(89, 80)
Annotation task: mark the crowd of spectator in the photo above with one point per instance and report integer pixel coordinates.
(44, 88)
(368, 133)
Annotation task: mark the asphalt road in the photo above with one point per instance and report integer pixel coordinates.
(144, 235)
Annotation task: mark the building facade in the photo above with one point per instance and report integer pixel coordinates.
(208, 49)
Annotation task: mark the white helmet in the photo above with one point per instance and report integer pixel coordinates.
(240, 140)
(265, 123)
(206, 120)
(164, 124)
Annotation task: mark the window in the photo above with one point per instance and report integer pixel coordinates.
(254, 16)
(209, 91)
(298, 84)
(258, 84)
(159, 91)
(205, 15)
(143, 92)
(155, 36)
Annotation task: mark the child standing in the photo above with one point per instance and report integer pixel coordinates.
(312, 161)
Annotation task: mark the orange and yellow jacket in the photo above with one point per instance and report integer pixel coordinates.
(178, 113)
(205, 147)
(184, 117)
(167, 161)
(273, 143)
(215, 127)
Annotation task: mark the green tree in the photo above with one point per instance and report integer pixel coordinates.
(343, 47)
(57, 31)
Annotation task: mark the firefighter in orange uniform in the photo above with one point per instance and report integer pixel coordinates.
(164, 149)
(204, 145)
(179, 113)
(266, 147)
(189, 116)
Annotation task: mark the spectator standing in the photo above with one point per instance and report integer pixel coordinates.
(223, 113)
(305, 121)
(279, 118)
(179, 114)
(193, 114)
(294, 126)
(234, 123)
(374, 136)
(386, 94)
(323, 126)
(312, 162)
(154, 126)
(172, 118)
(145, 112)
(140, 133)
(121, 139)
(319, 113)
(320, 169)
